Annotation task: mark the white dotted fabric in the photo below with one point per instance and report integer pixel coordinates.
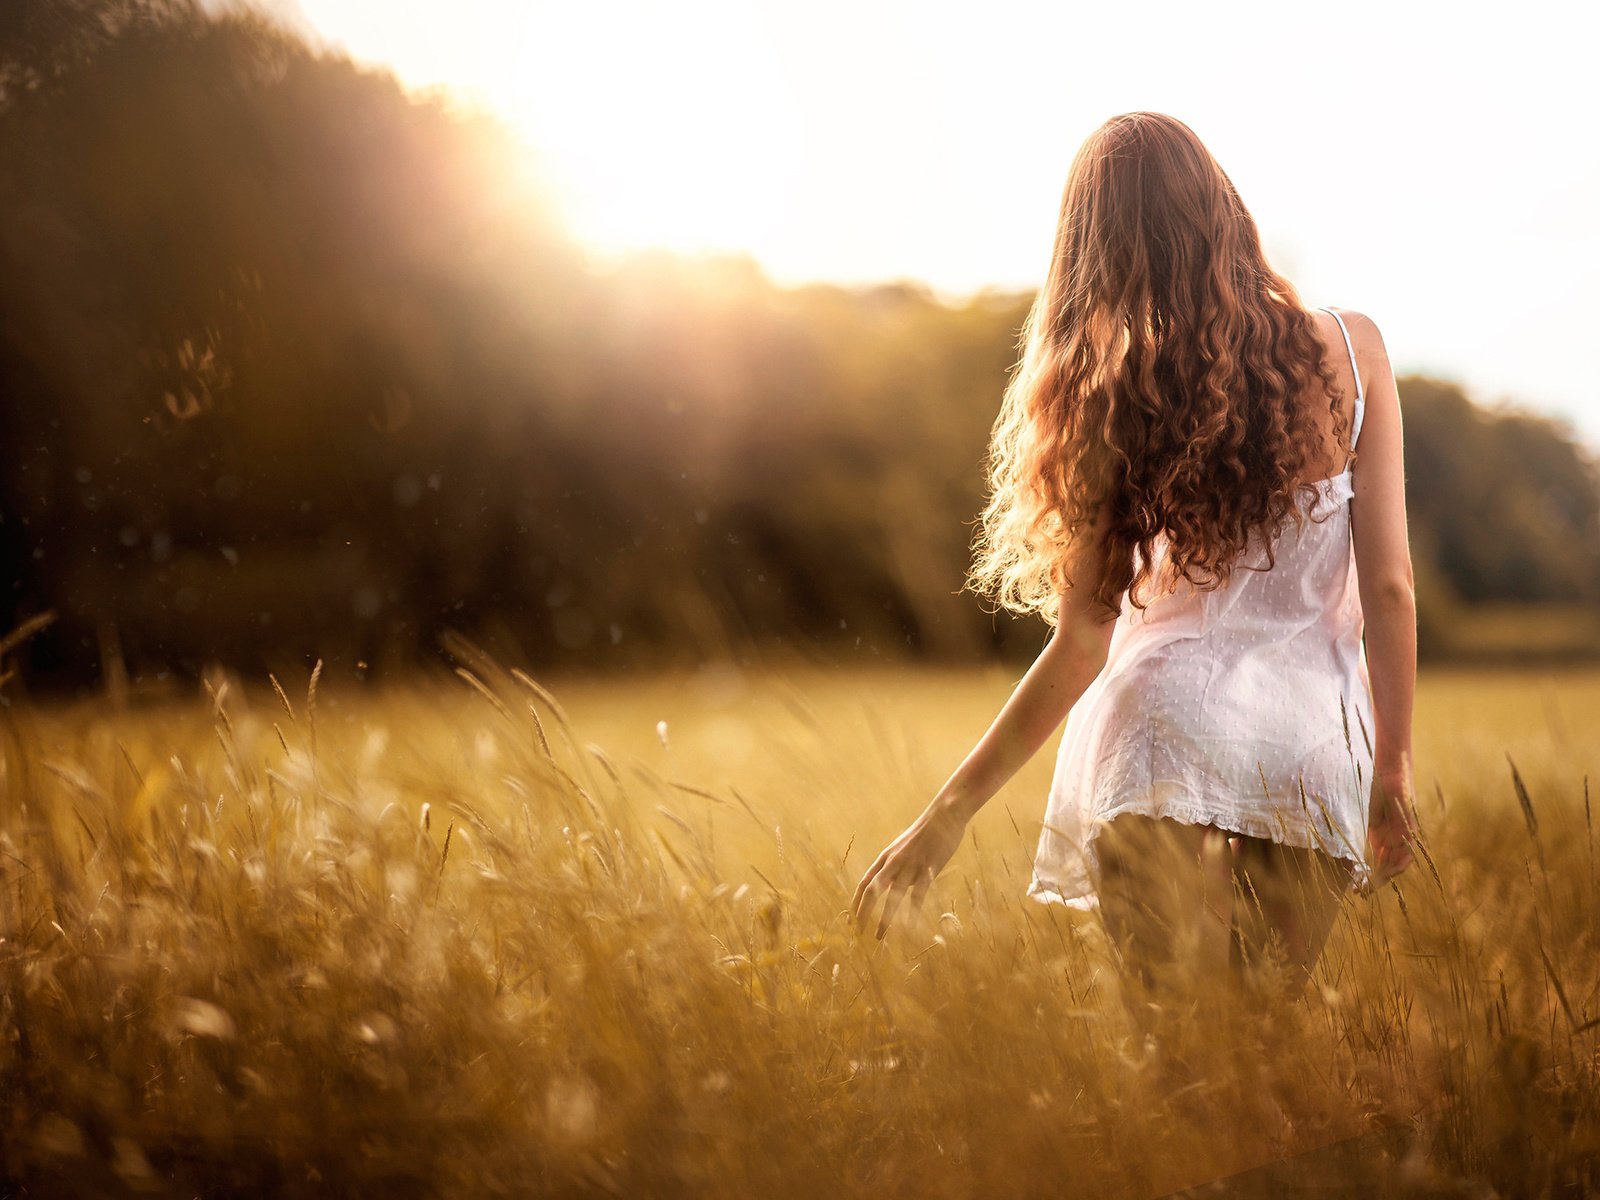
(1247, 707)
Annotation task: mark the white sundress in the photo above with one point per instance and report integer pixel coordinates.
(1247, 707)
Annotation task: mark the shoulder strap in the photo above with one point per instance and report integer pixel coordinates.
(1361, 400)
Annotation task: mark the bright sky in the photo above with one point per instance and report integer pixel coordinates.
(1432, 167)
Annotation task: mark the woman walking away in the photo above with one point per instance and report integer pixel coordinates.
(1176, 487)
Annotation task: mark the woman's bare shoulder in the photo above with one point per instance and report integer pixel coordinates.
(1365, 335)
(1367, 340)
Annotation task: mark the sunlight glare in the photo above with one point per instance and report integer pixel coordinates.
(649, 147)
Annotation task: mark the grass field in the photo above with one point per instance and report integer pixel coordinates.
(476, 937)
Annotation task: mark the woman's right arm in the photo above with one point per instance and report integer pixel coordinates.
(1066, 666)
(1060, 674)
(1388, 602)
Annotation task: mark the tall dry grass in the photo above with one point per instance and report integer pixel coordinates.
(439, 943)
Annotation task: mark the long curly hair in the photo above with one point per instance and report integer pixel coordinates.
(1164, 390)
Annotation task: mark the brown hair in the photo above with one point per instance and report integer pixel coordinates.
(1162, 383)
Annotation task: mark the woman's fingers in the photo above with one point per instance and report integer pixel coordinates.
(866, 882)
(877, 881)
(895, 896)
(905, 869)
(1390, 841)
(869, 901)
(894, 887)
(881, 892)
(888, 883)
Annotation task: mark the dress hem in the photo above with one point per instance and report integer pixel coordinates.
(1242, 824)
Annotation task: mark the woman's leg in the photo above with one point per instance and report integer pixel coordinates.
(1166, 899)
(1286, 900)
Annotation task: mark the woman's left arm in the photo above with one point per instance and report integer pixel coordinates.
(1066, 666)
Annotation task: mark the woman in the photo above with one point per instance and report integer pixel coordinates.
(1175, 487)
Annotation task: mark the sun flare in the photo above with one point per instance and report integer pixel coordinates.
(691, 149)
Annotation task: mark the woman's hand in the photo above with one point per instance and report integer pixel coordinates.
(1391, 824)
(908, 864)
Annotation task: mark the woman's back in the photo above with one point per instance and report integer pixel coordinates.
(1244, 706)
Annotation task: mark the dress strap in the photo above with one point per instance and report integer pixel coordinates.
(1361, 400)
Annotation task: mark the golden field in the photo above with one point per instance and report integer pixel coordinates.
(484, 936)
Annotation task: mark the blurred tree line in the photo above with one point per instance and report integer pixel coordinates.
(294, 364)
